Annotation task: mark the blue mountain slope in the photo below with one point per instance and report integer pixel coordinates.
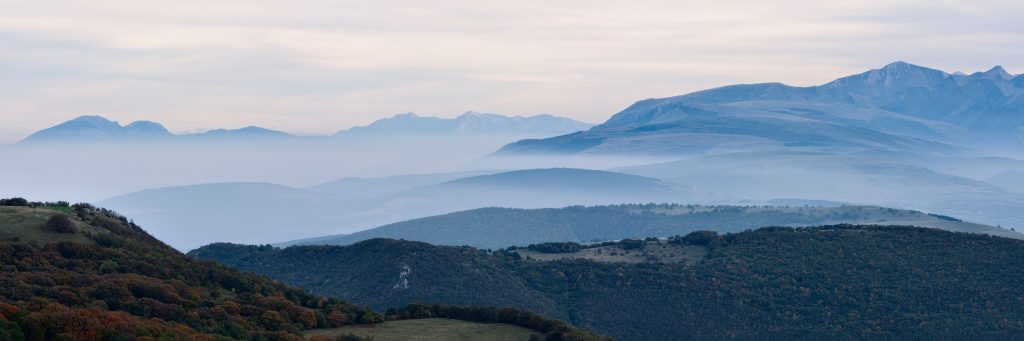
(470, 124)
(247, 132)
(900, 107)
(562, 179)
(100, 129)
(97, 128)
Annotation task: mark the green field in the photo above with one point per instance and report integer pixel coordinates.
(26, 223)
(432, 329)
(659, 251)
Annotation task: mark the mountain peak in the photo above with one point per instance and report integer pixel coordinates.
(249, 131)
(406, 115)
(904, 68)
(91, 118)
(998, 72)
(470, 122)
(898, 65)
(85, 126)
(894, 77)
(148, 127)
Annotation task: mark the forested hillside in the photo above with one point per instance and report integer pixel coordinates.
(493, 228)
(77, 272)
(827, 282)
(86, 273)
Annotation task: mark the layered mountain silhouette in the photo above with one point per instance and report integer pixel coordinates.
(97, 128)
(188, 216)
(899, 108)
(100, 129)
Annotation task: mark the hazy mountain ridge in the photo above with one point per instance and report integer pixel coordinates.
(99, 129)
(495, 228)
(189, 216)
(470, 123)
(370, 187)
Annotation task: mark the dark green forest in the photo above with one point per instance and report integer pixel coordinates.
(831, 282)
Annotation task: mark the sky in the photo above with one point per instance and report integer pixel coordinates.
(316, 67)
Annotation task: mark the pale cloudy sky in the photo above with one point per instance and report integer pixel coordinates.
(315, 67)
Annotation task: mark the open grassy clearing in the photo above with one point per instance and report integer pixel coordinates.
(26, 223)
(653, 251)
(432, 329)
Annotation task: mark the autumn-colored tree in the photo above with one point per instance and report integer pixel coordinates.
(61, 224)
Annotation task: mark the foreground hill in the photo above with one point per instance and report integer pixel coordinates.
(864, 282)
(90, 274)
(83, 273)
(493, 228)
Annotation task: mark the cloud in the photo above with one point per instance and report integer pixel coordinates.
(321, 66)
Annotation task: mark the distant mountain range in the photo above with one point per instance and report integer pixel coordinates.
(470, 123)
(100, 129)
(900, 108)
(187, 216)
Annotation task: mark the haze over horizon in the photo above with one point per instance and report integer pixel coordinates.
(318, 68)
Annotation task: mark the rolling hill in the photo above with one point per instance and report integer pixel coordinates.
(831, 282)
(356, 187)
(495, 228)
